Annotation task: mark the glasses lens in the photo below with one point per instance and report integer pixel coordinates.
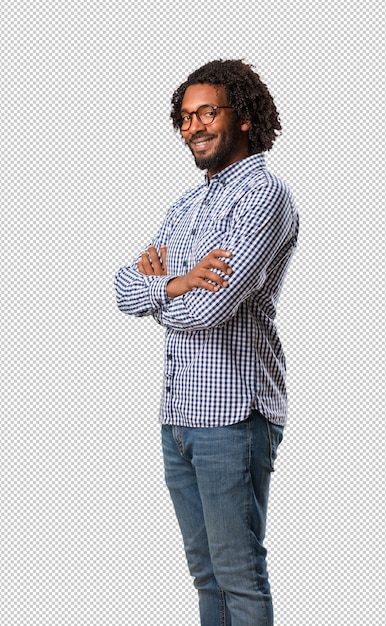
(205, 115)
(185, 121)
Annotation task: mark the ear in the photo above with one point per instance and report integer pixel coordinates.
(245, 126)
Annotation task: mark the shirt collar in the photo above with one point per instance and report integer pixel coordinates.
(237, 171)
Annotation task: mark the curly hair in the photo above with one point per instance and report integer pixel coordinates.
(246, 94)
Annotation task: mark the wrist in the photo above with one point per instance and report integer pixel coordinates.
(176, 287)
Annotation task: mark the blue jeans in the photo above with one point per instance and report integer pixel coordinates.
(218, 480)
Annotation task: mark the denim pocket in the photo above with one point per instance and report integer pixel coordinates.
(275, 433)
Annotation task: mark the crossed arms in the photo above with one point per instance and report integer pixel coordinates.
(233, 265)
(201, 275)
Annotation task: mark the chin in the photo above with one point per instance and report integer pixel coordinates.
(202, 165)
(207, 163)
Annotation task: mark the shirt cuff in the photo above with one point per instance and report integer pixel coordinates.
(157, 291)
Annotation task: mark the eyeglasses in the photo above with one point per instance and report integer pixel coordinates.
(206, 114)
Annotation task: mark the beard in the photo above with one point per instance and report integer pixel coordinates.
(220, 157)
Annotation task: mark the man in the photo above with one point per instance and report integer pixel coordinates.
(212, 277)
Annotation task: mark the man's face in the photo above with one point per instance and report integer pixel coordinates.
(221, 143)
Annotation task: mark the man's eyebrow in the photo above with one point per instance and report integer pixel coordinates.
(204, 104)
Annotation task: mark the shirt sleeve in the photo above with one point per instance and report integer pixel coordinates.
(259, 238)
(138, 294)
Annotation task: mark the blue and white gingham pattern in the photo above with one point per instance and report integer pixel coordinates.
(223, 356)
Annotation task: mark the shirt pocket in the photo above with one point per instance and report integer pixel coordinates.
(219, 229)
(210, 239)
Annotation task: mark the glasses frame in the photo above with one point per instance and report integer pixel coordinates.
(191, 113)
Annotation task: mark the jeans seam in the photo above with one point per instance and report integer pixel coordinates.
(249, 447)
(270, 446)
(250, 453)
(222, 603)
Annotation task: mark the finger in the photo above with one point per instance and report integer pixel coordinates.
(217, 252)
(140, 266)
(209, 286)
(147, 266)
(223, 267)
(206, 277)
(201, 283)
(212, 284)
(213, 262)
(154, 258)
(216, 278)
(163, 257)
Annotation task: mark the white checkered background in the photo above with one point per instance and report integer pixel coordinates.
(89, 165)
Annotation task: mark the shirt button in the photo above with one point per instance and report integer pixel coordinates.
(170, 356)
(168, 389)
(185, 263)
(193, 231)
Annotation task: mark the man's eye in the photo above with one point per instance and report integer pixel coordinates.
(207, 114)
(185, 118)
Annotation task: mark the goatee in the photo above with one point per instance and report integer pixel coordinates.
(221, 156)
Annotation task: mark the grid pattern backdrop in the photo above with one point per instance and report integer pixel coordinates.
(89, 166)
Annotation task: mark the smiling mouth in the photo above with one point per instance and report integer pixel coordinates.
(201, 144)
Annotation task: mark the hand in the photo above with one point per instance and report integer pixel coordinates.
(150, 264)
(202, 275)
